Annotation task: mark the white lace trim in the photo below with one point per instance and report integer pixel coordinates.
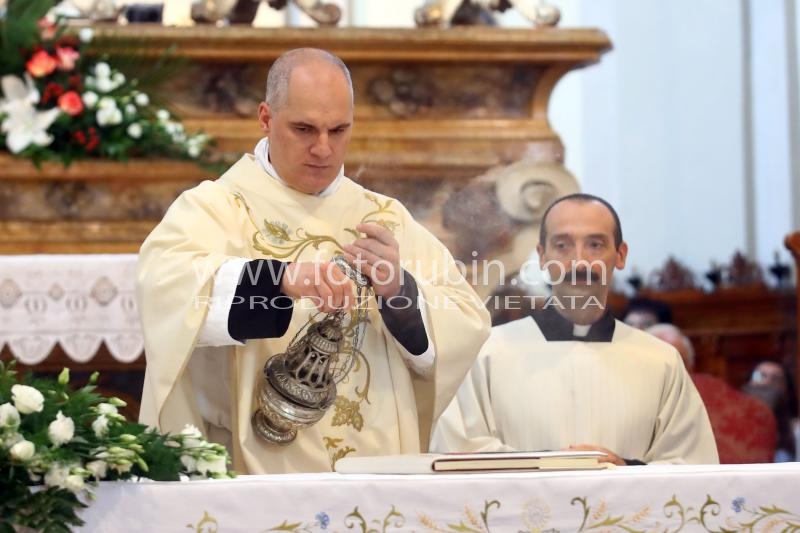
(77, 301)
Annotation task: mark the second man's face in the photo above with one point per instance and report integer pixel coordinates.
(580, 254)
(309, 135)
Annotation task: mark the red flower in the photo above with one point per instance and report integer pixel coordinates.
(94, 139)
(70, 103)
(41, 64)
(68, 41)
(47, 29)
(66, 57)
(51, 90)
(76, 82)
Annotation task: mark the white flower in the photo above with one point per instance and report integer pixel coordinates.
(162, 115)
(192, 438)
(193, 150)
(217, 465)
(130, 110)
(190, 430)
(26, 399)
(100, 426)
(102, 70)
(189, 462)
(106, 409)
(9, 416)
(86, 35)
(74, 483)
(24, 124)
(135, 130)
(107, 102)
(10, 439)
(98, 468)
(90, 98)
(116, 402)
(14, 88)
(108, 116)
(141, 99)
(122, 466)
(118, 78)
(23, 450)
(104, 85)
(61, 430)
(56, 476)
(171, 127)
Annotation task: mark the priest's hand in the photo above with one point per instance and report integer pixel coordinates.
(610, 457)
(377, 256)
(322, 282)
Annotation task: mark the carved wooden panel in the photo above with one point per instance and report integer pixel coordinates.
(792, 243)
(732, 329)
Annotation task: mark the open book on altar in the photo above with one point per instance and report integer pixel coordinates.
(428, 463)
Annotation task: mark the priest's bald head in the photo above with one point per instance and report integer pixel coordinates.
(307, 116)
(580, 245)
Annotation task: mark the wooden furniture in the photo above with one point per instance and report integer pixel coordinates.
(434, 108)
(792, 243)
(732, 329)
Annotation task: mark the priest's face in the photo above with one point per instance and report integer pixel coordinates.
(310, 132)
(579, 252)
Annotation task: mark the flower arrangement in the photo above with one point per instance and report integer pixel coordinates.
(58, 103)
(55, 443)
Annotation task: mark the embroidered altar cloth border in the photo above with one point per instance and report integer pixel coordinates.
(673, 498)
(77, 301)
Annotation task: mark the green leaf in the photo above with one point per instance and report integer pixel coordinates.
(19, 30)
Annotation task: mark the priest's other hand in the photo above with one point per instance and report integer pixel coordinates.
(610, 457)
(321, 281)
(377, 256)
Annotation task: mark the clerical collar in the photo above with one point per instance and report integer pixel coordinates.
(261, 153)
(555, 327)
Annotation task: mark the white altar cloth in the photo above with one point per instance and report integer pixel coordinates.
(77, 301)
(627, 499)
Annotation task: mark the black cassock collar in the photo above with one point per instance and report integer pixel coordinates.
(557, 328)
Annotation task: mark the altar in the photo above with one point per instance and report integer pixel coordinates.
(671, 498)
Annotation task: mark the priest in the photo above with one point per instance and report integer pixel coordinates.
(238, 266)
(571, 376)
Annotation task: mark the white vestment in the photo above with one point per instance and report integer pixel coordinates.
(632, 396)
(382, 407)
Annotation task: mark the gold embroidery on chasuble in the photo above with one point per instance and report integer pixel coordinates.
(278, 241)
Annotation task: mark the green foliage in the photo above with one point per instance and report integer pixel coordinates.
(19, 31)
(61, 101)
(52, 451)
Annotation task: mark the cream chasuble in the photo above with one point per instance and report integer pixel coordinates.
(382, 407)
(631, 395)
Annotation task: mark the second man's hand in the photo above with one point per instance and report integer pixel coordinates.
(610, 456)
(377, 256)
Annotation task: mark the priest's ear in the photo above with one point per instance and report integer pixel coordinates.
(622, 255)
(264, 117)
